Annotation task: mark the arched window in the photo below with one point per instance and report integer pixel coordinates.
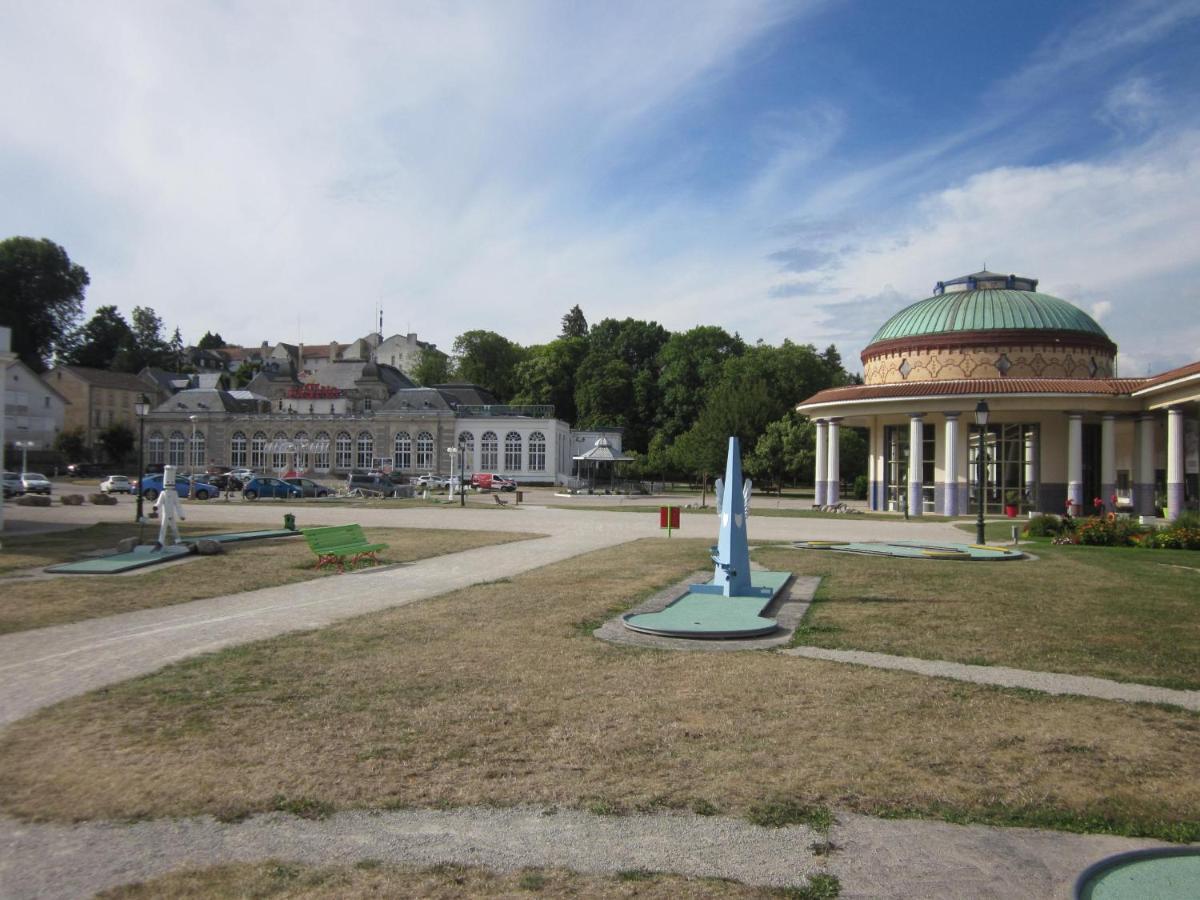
(320, 451)
(258, 451)
(537, 452)
(366, 449)
(302, 447)
(403, 454)
(279, 451)
(175, 449)
(512, 452)
(489, 451)
(237, 450)
(466, 443)
(425, 450)
(154, 448)
(343, 451)
(199, 442)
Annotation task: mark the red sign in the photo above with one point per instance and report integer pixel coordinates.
(313, 392)
(668, 518)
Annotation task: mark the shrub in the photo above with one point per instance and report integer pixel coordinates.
(861, 486)
(1101, 532)
(1177, 537)
(1044, 525)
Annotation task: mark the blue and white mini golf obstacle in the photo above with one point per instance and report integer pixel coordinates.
(731, 605)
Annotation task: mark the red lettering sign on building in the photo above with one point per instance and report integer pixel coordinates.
(313, 392)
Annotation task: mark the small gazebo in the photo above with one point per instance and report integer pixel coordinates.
(600, 455)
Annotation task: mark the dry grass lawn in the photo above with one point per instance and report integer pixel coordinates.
(289, 881)
(38, 602)
(1111, 612)
(497, 695)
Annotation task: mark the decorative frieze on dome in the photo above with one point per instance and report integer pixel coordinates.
(987, 362)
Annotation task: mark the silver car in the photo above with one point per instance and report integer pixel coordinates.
(12, 485)
(35, 483)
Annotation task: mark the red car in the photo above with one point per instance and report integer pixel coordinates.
(490, 481)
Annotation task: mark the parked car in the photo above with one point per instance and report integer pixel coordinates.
(116, 484)
(12, 485)
(265, 486)
(432, 481)
(35, 483)
(309, 487)
(491, 481)
(242, 474)
(151, 486)
(375, 483)
(83, 470)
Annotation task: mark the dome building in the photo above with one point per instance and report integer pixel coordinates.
(1061, 425)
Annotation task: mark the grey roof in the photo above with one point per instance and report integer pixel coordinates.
(204, 400)
(346, 374)
(466, 394)
(418, 399)
(602, 452)
(106, 379)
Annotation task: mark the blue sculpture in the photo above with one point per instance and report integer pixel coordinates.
(731, 605)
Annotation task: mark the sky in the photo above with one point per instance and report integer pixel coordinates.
(281, 171)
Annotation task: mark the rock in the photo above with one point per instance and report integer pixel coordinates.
(127, 545)
(71, 499)
(207, 547)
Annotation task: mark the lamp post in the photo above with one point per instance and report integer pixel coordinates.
(456, 456)
(25, 446)
(192, 460)
(981, 419)
(140, 409)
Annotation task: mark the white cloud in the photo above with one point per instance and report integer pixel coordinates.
(1133, 105)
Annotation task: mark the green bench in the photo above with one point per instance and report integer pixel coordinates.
(337, 543)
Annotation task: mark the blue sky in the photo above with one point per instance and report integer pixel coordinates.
(275, 171)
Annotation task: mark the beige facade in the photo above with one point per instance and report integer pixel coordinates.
(97, 398)
(1000, 361)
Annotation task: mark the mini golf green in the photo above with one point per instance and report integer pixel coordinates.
(709, 614)
(1161, 873)
(915, 550)
(150, 554)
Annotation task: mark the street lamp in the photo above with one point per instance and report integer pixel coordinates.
(192, 460)
(140, 409)
(981, 419)
(25, 446)
(456, 455)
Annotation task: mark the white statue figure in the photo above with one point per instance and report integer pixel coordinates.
(169, 510)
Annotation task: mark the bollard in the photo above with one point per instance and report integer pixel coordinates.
(1014, 535)
(289, 521)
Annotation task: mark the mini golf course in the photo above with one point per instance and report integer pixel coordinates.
(151, 554)
(916, 550)
(1161, 873)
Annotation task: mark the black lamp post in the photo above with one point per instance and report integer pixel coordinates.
(140, 409)
(981, 418)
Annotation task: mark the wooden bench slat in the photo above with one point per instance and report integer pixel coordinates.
(334, 543)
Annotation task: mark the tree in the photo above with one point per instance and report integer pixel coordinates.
(147, 347)
(690, 363)
(116, 441)
(734, 408)
(211, 341)
(574, 325)
(784, 451)
(245, 373)
(98, 343)
(548, 375)
(432, 368)
(41, 297)
(489, 360)
(71, 445)
(632, 404)
(177, 353)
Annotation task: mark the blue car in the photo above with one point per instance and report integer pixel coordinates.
(263, 486)
(151, 486)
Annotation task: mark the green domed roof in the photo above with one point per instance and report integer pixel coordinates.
(987, 310)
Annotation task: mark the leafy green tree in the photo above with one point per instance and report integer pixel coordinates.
(211, 341)
(99, 342)
(41, 297)
(489, 360)
(633, 402)
(734, 408)
(117, 441)
(71, 445)
(245, 373)
(574, 325)
(784, 452)
(432, 368)
(548, 374)
(690, 363)
(177, 353)
(147, 346)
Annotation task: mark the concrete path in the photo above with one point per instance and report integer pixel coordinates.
(1002, 676)
(874, 858)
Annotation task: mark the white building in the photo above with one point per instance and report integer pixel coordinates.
(33, 411)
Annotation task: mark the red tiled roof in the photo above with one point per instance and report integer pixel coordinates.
(1171, 375)
(978, 386)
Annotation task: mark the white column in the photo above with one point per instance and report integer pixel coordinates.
(833, 490)
(1075, 461)
(1032, 452)
(916, 462)
(1143, 482)
(1108, 459)
(1174, 462)
(950, 491)
(822, 475)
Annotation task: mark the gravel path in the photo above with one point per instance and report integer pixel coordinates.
(876, 858)
(1002, 676)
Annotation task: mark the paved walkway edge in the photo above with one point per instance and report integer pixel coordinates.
(1002, 676)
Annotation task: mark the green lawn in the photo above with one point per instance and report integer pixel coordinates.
(1121, 613)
